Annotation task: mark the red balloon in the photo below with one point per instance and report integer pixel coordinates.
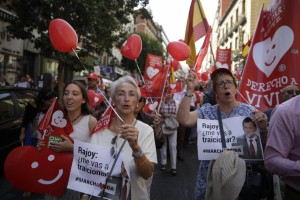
(204, 77)
(45, 171)
(175, 65)
(62, 36)
(179, 50)
(132, 47)
(94, 98)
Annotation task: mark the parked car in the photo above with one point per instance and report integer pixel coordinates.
(13, 101)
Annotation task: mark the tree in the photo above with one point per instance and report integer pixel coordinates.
(98, 23)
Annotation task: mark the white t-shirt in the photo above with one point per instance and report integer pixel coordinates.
(146, 142)
(81, 130)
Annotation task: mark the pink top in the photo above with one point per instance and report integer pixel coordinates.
(282, 152)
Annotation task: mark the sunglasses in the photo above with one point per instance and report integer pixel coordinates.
(297, 92)
(113, 150)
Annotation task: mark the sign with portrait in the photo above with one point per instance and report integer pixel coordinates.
(241, 136)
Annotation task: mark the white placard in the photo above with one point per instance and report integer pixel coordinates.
(91, 164)
(209, 138)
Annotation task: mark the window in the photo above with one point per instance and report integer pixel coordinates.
(6, 106)
(243, 7)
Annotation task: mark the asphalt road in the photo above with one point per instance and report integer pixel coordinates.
(165, 186)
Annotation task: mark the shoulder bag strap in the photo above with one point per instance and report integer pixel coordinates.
(221, 127)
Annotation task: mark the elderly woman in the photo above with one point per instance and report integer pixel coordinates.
(225, 89)
(139, 150)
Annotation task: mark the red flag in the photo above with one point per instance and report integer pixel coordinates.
(203, 51)
(154, 88)
(196, 28)
(152, 66)
(55, 123)
(151, 106)
(174, 88)
(223, 59)
(105, 120)
(203, 76)
(274, 59)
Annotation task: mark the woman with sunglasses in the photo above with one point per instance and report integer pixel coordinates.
(76, 104)
(225, 89)
(138, 152)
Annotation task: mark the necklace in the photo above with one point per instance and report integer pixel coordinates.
(75, 118)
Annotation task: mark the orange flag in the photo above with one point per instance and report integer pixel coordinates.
(246, 48)
(196, 28)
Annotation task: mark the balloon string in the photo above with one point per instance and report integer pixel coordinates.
(254, 109)
(79, 59)
(140, 71)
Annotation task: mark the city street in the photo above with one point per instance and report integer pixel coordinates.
(164, 186)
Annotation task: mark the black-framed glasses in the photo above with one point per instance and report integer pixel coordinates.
(297, 92)
(227, 82)
(113, 150)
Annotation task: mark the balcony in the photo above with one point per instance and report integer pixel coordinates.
(230, 33)
(221, 41)
(242, 20)
(235, 27)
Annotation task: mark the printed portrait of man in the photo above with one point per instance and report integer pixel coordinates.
(250, 141)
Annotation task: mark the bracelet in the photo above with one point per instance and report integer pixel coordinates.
(141, 163)
(188, 95)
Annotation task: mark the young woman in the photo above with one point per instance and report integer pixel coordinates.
(76, 104)
(139, 151)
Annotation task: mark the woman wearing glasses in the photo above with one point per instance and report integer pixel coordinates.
(138, 152)
(225, 89)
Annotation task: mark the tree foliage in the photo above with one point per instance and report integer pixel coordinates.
(98, 23)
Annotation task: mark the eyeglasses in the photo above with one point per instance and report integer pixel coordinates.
(90, 79)
(113, 150)
(222, 83)
(297, 92)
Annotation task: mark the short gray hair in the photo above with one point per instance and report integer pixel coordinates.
(124, 79)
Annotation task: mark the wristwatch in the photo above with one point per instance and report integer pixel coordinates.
(138, 154)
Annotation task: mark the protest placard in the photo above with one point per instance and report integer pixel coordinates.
(236, 137)
(90, 167)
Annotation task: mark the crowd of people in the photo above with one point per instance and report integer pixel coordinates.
(146, 136)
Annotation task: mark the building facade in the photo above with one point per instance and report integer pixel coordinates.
(234, 24)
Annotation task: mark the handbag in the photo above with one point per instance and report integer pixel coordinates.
(226, 174)
(258, 182)
(170, 125)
